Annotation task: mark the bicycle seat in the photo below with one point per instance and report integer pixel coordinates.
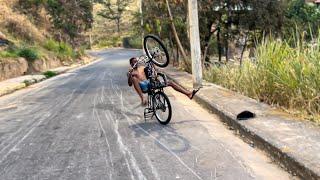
(148, 72)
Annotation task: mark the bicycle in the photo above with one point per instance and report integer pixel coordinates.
(158, 102)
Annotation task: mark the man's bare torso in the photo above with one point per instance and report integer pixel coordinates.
(139, 73)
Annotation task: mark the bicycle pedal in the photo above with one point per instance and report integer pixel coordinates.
(148, 115)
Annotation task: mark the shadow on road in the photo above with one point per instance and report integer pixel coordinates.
(165, 137)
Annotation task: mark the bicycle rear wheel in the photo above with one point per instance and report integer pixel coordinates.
(156, 50)
(162, 108)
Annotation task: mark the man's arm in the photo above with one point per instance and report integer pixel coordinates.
(129, 74)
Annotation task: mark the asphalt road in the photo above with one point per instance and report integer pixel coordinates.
(88, 124)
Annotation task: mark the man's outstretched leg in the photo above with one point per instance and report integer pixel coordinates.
(136, 86)
(178, 88)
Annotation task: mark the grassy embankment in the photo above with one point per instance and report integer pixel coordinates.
(283, 74)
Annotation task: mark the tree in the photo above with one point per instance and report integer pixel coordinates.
(114, 10)
(176, 34)
(234, 18)
(306, 16)
(222, 23)
(71, 17)
(162, 24)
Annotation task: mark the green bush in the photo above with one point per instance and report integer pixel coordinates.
(66, 51)
(52, 45)
(282, 75)
(29, 54)
(27, 82)
(63, 50)
(108, 42)
(49, 74)
(132, 42)
(81, 51)
(8, 54)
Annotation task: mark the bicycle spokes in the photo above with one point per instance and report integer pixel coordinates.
(158, 55)
(156, 51)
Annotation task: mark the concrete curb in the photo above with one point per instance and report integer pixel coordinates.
(12, 88)
(289, 160)
(11, 85)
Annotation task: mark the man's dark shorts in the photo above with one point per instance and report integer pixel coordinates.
(144, 85)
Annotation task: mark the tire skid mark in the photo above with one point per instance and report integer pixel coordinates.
(124, 149)
(77, 98)
(164, 146)
(102, 100)
(233, 155)
(95, 116)
(153, 169)
(35, 125)
(247, 169)
(127, 163)
(33, 111)
(121, 145)
(14, 137)
(87, 176)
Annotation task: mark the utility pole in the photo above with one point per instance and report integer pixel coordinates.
(195, 43)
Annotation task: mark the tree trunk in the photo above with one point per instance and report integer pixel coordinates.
(219, 45)
(90, 39)
(185, 58)
(178, 55)
(244, 48)
(227, 48)
(205, 53)
(142, 22)
(228, 31)
(171, 46)
(118, 25)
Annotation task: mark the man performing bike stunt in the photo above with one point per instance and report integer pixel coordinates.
(137, 78)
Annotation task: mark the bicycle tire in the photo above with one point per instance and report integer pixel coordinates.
(145, 42)
(168, 108)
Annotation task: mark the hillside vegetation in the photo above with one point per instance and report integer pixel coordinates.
(104, 31)
(32, 37)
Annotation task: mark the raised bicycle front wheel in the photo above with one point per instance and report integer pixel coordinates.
(162, 108)
(156, 50)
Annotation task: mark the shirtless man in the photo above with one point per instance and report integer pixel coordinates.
(138, 79)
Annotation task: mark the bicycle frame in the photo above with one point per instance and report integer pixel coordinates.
(156, 86)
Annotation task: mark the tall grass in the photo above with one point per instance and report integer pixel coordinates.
(283, 74)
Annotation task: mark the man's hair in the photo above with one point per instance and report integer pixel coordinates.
(132, 59)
